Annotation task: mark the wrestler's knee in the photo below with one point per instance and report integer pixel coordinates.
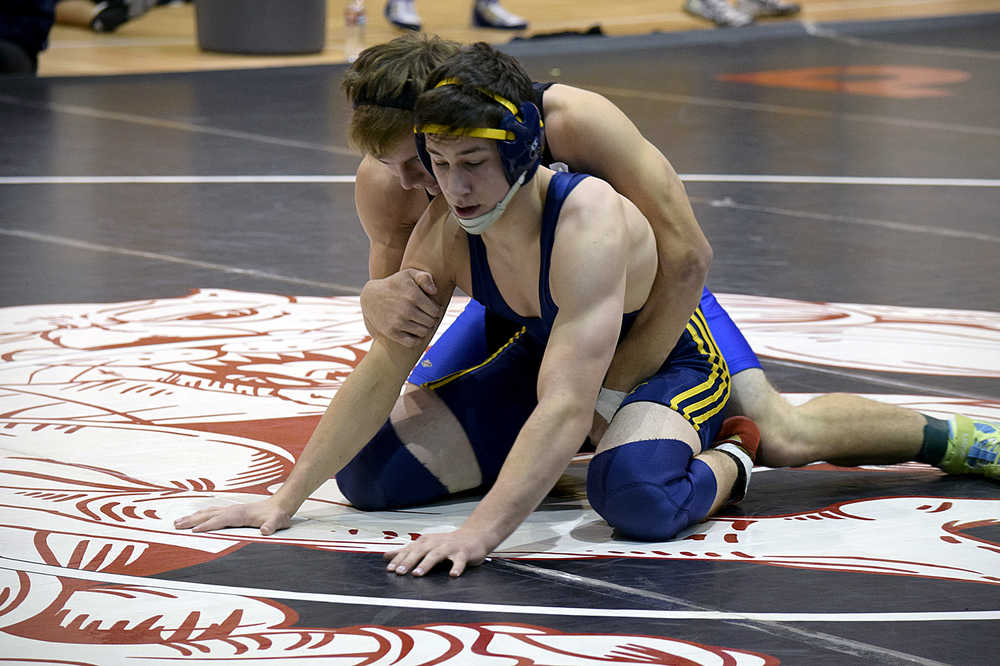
(784, 437)
(651, 489)
(385, 475)
(790, 436)
(781, 442)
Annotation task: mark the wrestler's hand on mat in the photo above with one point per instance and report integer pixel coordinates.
(264, 514)
(463, 547)
(400, 306)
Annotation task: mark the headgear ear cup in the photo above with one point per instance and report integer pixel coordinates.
(524, 152)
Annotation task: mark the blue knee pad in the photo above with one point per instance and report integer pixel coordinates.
(384, 475)
(651, 489)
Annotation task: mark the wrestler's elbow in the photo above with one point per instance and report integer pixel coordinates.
(695, 261)
(571, 406)
(686, 268)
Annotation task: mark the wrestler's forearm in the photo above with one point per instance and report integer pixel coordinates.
(355, 414)
(656, 331)
(684, 256)
(684, 259)
(384, 260)
(544, 447)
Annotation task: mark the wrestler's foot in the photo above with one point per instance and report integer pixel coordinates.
(402, 14)
(973, 448)
(739, 438)
(490, 14)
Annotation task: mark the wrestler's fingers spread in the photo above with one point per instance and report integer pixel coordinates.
(216, 522)
(194, 518)
(458, 564)
(184, 522)
(395, 559)
(270, 527)
(430, 561)
(404, 562)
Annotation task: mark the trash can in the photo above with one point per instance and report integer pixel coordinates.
(261, 26)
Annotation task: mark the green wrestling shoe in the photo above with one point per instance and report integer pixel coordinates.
(973, 448)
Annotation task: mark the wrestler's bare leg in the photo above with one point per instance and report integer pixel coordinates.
(434, 436)
(838, 428)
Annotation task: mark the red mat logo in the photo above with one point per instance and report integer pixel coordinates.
(117, 418)
(895, 81)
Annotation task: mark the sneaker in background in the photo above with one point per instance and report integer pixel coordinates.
(769, 7)
(491, 14)
(111, 14)
(402, 14)
(719, 12)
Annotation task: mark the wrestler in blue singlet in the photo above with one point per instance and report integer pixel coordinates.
(485, 289)
(706, 378)
(476, 334)
(494, 398)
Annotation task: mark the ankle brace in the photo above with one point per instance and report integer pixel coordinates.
(936, 434)
(744, 466)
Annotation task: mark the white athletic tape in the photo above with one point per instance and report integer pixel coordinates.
(608, 401)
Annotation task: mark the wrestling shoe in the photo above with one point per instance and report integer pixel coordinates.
(402, 14)
(769, 7)
(739, 438)
(490, 14)
(973, 448)
(719, 12)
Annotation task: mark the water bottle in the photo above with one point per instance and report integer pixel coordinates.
(354, 27)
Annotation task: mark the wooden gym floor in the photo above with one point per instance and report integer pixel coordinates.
(164, 39)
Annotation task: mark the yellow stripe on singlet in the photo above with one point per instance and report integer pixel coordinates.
(437, 383)
(718, 400)
(699, 412)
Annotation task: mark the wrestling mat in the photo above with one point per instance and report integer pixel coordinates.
(117, 418)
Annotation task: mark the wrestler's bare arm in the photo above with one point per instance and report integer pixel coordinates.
(579, 349)
(396, 304)
(388, 215)
(592, 135)
(363, 403)
(355, 414)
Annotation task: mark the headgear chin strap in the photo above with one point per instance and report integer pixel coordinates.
(479, 224)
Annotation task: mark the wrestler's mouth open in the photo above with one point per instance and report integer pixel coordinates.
(466, 212)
